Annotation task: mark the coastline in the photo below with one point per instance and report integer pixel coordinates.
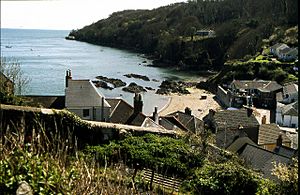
(200, 107)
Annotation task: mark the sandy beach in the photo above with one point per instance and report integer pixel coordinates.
(200, 107)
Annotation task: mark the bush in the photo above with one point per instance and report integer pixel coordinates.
(223, 178)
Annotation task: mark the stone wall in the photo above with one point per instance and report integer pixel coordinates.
(63, 124)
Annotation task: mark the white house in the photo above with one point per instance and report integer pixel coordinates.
(287, 115)
(83, 99)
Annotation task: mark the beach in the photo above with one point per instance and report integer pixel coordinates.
(199, 106)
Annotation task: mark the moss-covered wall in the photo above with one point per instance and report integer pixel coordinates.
(63, 124)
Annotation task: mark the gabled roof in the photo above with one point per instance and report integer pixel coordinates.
(188, 121)
(290, 109)
(233, 119)
(239, 143)
(261, 159)
(120, 111)
(268, 134)
(290, 88)
(83, 93)
(123, 113)
(256, 84)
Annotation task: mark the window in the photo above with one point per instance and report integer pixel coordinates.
(86, 112)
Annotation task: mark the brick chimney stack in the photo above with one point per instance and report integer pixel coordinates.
(155, 115)
(68, 77)
(137, 103)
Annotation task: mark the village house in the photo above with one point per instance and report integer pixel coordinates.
(179, 120)
(259, 93)
(205, 33)
(259, 158)
(287, 115)
(289, 94)
(6, 84)
(284, 52)
(83, 99)
(124, 113)
(268, 135)
(229, 125)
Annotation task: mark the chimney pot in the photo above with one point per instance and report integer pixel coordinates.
(155, 115)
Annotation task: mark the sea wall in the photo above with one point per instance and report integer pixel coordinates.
(27, 121)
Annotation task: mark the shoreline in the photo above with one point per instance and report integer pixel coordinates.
(200, 107)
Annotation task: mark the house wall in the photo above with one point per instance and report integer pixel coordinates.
(288, 121)
(224, 96)
(272, 146)
(290, 98)
(95, 113)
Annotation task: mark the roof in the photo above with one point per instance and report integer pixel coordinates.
(268, 134)
(277, 45)
(83, 93)
(290, 109)
(261, 159)
(285, 151)
(290, 88)
(285, 50)
(259, 84)
(123, 113)
(56, 102)
(188, 121)
(238, 143)
(233, 119)
(293, 52)
(4, 77)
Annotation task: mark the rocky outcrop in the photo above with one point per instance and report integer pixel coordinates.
(102, 84)
(137, 76)
(114, 82)
(169, 86)
(134, 88)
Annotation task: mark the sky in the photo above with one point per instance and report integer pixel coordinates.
(66, 14)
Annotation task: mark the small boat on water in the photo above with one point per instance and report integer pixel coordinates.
(8, 46)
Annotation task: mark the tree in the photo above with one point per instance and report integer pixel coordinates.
(11, 68)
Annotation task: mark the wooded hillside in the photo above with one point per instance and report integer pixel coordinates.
(168, 33)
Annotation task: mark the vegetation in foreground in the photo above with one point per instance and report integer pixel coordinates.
(114, 168)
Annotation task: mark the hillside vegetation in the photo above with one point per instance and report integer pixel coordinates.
(168, 33)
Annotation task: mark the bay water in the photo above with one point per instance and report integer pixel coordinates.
(45, 55)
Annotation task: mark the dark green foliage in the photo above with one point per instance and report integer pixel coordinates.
(164, 154)
(223, 178)
(167, 33)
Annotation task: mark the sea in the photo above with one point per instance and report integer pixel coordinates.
(45, 55)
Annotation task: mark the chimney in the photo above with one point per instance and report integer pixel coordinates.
(212, 112)
(68, 76)
(249, 112)
(264, 119)
(102, 110)
(188, 111)
(279, 140)
(155, 115)
(137, 103)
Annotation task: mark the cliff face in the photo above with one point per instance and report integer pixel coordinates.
(169, 33)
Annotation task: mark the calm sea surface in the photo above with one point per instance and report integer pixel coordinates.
(45, 55)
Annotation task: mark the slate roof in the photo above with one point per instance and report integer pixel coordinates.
(232, 119)
(239, 143)
(285, 151)
(268, 134)
(189, 122)
(120, 111)
(290, 109)
(56, 102)
(261, 159)
(290, 88)
(256, 84)
(123, 113)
